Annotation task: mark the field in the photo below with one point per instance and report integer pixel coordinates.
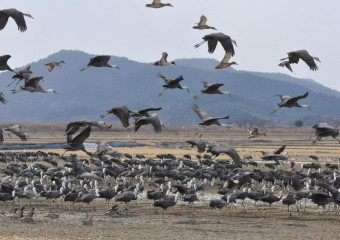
(197, 221)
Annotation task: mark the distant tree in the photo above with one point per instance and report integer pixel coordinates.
(298, 123)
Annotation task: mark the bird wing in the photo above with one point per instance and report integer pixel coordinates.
(18, 18)
(4, 59)
(166, 79)
(99, 60)
(3, 19)
(206, 84)
(280, 150)
(144, 111)
(308, 59)
(81, 137)
(1, 136)
(178, 79)
(231, 152)
(200, 113)
(50, 67)
(164, 57)
(226, 58)
(123, 114)
(294, 99)
(2, 98)
(154, 121)
(156, 2)
(335, 193)
(253, 131)
(283, 97)
(226, 43)
(203, 20)
(199, 143)
(215, 86)
(16, 129)
(33, 82)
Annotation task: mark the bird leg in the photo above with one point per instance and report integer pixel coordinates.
(161, 93)
(274, 111)
(84, 68)
(197, 96)
(199, 44)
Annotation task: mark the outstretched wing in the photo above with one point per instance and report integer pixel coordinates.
(294, 99)
(18, 18)
(200, 113)
(81, 137)
(308, 59)
(199, 143)
(203, 20)
(280, 150)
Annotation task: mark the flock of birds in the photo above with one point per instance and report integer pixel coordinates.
(107, 176)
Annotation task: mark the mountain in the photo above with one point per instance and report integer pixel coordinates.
(90, 93)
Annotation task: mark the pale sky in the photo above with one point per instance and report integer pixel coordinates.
(265, 30)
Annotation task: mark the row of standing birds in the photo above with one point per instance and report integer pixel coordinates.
(77, 181)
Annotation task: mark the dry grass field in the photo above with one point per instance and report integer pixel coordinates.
(182, 222)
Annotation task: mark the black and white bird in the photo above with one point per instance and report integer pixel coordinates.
(206, 119)
(211, 88)
(100, 61)
(214, 38)
(289, 102)
(172, 83)
(295, 56)
(325, 130)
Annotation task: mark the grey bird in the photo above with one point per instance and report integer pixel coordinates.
(289, 102)
(3, 63)
(211, 88)
(100, 61)
(216, 150)
(199, 143)
(214, 38)
(163, 61)
(158, 4)
(122, 112)
(2, 98)
(325, 130)
(74, 126)
(143, 113)
(17, 130)
(16, 15)
(172, 83)
(206, 119)
(32, 84)
(52, 64)
(153, 120)
(295, 56)
(203, 24)
(76, 143)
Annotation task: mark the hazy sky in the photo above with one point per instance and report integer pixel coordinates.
(265, 30)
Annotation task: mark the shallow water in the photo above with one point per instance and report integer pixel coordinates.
(62, 145)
